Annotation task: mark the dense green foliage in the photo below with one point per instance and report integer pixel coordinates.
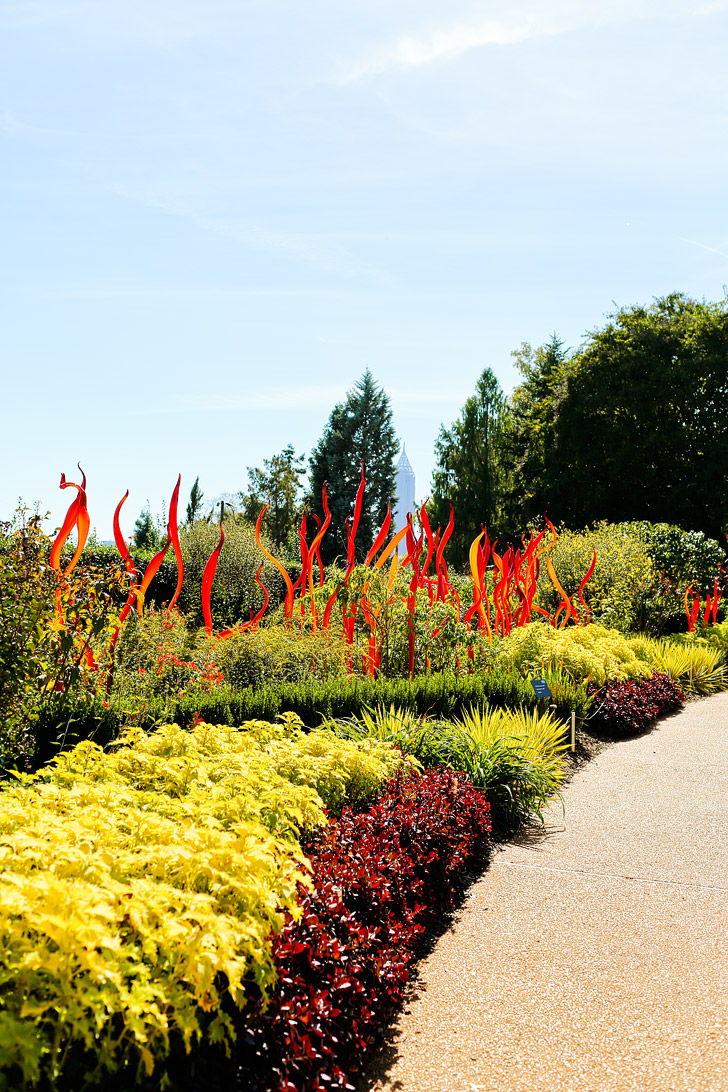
(471, 473)
(633, 425)
(534, 409)
(630, 426)
(359, 432)
(235, 592)
(50, 625)
(146, 534)
(276, 484)
(440, 695)
(680, 559)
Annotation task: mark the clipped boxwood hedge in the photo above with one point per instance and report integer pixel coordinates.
(440, 695)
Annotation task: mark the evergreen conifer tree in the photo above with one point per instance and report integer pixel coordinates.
(472, 471)
(145, 531)
(359, 431)
(194, 506)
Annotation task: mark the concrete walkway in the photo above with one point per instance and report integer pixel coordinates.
(593, 957)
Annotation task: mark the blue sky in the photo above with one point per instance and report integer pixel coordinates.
(215, 215)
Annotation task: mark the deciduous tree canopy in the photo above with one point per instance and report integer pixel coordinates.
(635, 424)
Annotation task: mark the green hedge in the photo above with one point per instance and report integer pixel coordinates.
(436, 696)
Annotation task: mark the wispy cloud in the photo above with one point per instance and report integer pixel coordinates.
(704, 246)
(446, 43)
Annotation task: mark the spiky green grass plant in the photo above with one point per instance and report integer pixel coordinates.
(515, 756)
(696, 668)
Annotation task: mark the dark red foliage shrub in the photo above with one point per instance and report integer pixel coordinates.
(380, 879)
(626, 708)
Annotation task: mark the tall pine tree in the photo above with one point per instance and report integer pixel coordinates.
(534, 405)
(359, 430)
(472, 472)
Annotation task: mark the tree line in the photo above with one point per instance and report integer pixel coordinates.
(631, 425)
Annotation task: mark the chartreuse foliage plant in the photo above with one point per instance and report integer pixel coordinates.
(141, 886)
(587, 653)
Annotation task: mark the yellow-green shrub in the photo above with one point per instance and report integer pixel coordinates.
(137, 886)
(276, 653)
(592, 651)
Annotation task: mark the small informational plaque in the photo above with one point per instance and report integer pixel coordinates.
(540, 688)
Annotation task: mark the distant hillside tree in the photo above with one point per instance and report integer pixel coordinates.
(278, 484)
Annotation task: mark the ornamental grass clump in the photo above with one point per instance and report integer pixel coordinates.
(403, 728)
(140, 889)
(697, 668)
(515, 756)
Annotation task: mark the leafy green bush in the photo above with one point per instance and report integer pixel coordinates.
(684, 557)
(514, 755)
(235, 592)
(714, 636)
(680, 558)
(622, 579)
(276, 653)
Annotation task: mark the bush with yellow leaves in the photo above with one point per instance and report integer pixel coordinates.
(590, 652)
(140, 886)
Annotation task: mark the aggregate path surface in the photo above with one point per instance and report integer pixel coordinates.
(592, 956)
